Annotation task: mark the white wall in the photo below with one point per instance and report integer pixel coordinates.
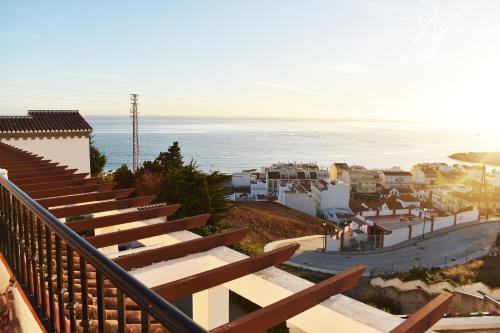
(369, 213)
(332, 244)
(443, 222)
(472, 215)
(303, 202)
(336, 196)
(241, 179)
(397, 236)
(27, 320)
(416, 229)
(73, 152)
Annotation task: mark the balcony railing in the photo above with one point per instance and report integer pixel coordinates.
(60, 272)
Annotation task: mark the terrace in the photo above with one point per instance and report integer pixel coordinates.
(73, 278)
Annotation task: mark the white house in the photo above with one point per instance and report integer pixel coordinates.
(297, 197)
(331, 195)
(426, 176)
(61, 136)
(396, 178)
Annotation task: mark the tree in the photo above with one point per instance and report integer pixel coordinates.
(198, 192)
(123, 177)
(97, 159)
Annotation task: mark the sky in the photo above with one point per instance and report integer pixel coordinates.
(397, 60)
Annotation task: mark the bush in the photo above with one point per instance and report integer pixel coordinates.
(97, 159)
(123, 177)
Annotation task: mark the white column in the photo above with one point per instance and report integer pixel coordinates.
(211, 307)
(4, 173)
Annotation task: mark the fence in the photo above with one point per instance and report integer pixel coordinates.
(53, 265)
(362, 242)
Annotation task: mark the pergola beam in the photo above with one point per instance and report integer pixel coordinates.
(86, 197)
(149, 257)
(15, 171)
(116, 219)
(46, 179)
(427, 316)
(70, 190)
(124, 236)
(217, 276)
(278, 312)
(101, 206)
(34, 174)
(59, 184)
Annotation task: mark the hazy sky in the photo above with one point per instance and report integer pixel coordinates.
(425, 60)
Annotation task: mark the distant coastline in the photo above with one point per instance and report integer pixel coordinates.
(490, 158)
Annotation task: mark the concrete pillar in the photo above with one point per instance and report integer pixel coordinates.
(211, 307)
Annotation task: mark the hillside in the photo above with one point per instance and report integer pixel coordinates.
(270, 222)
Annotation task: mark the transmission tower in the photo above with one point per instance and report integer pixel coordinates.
(135, 131)
(484, 190)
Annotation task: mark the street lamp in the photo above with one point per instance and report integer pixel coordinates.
(324, 240)
(423, 230)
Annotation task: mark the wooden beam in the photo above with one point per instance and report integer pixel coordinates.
(101, 206)
(30, 169)
(26, 163)
(217, 276)
(279, 312)
(149, 257)
(427, 316)
(14, 158)
(22, 166)
(55, 172)
(86, 197)
(115, 219)
(69, 190)
(125, 236)
(64, 183)
(47, 179)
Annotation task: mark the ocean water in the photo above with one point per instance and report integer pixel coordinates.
(234, 144)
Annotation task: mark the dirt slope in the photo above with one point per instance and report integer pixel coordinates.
(270, 222)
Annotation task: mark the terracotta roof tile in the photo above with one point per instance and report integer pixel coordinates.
(45, 121)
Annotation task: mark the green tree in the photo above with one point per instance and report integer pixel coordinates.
(123, 177)
(198, 192)
(97, 159)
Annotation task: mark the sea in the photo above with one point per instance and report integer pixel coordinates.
(234, 144)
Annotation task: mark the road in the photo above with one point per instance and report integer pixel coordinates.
(452, 248)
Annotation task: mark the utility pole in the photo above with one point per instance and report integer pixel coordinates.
(484, 190)
(135, 131)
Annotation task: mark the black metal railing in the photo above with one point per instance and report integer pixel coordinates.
(60, 272)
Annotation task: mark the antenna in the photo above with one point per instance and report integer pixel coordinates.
(135, 131)
(483, 188)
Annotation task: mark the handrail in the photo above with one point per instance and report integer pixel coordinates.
(172, 318)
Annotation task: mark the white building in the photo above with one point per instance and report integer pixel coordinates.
(396, 178)
(328, 195)
(282, 174)
(297, 197)
(426, 176)
(61, 136)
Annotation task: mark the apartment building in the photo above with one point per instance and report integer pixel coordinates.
(283, 174)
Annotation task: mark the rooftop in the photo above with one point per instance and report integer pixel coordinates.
(43, 121)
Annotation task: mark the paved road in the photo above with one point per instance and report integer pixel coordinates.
(453, 247)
